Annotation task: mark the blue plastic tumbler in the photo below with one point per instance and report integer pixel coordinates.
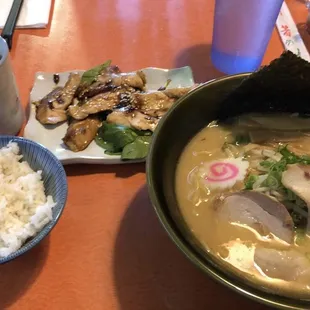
(241, 32)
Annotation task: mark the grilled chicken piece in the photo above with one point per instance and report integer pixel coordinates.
(65, 98)
(297, 179)
(47, 116)
(133, 119)
(259, 212)
(157, 103)
(45, 113)
(51, 108)
(94, 89)
(110, 70)
(178, 92)
(133, 79)
(99, 103)
(81, 133)
(154, 104)
(98, 87)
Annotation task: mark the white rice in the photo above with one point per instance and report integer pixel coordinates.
(24, 207)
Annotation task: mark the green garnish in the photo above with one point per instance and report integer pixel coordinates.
(291, 196)
(301, 230)
(250, 180)
(162, 88)
(139, 148)
(276, 168)
(295, 205)
(90, 75)
(110, 149)
(272, 181)
(117, 135)
(297, 218)
(289, 156)
(292, 158)
(266, 163)
(125, 141)
(300, 236)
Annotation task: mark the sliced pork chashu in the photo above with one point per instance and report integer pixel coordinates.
(287, 265)
(81, 133)
(257, 211)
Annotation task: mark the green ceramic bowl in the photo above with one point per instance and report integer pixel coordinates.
(189, 115)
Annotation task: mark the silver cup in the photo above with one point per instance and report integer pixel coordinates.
(11, 111)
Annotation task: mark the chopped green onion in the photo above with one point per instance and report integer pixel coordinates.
(250, 180)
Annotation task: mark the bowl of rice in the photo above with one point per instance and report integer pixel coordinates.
(33, 193)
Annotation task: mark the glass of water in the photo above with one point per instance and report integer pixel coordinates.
(241, 32)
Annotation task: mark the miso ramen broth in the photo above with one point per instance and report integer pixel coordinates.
(244, 191)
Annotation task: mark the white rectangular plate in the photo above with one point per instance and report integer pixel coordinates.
(51, 136)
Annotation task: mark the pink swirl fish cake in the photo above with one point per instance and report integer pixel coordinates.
(223, 173)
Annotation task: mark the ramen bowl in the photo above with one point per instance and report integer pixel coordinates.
(184, 120)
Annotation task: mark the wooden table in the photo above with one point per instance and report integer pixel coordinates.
(109, 251)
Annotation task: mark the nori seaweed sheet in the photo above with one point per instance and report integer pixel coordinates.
(282, 86)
